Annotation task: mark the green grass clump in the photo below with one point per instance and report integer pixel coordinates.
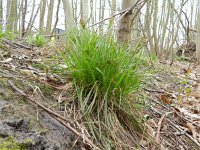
(10, 144)
(37, 40)
(8, 35)
(105, 76)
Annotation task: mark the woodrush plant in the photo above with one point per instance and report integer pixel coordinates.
(8, 35)
(2, 34)
(37, 40)
(105, 75)
(11, 35)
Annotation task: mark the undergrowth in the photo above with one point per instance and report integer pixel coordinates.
(8, 35)
(106, 76)
(37, 40)
(10, 144)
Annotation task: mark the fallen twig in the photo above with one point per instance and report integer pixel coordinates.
(18, 44)
(153, 90)
(157, 138)
(178, 128)
(58, 117)
(186, 134)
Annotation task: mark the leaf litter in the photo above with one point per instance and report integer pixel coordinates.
(174, 92)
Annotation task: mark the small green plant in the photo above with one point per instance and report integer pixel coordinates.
(8, 35)
(105, 75)
(2, 34)
(37, 40)
(9, 144)
(11, 35)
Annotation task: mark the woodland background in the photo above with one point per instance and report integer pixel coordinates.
(162, 26)
(99, 74)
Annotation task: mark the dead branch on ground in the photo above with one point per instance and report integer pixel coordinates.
(55, 115)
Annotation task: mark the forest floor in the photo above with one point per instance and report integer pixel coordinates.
(34, 111)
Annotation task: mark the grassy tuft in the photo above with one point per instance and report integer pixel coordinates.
(8, 35)
(105, 76)
(37, 40)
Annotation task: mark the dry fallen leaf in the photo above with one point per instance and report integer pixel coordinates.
(195, 94)
(165, 99)
(151, 125)
(192, 130)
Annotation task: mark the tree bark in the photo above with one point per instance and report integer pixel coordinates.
(124, 32)
(198, 34)
(113, 7)
(165, 19)
(85, 10)
(69, 21)
(57, 17)
(148, 28)
(11, 15)
(102, 10)
(31, 18)
(155, 37)
(8, 16)
(1, 14)
(24, 10)
(42, 14)
(49, 17)
(14, 15)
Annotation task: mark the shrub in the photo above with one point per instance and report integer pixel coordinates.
(105, 75)
(37, 40)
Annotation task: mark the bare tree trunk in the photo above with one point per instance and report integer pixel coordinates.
(148, 27)
(15, 18)
(69, 21)
(8, 16)
(42, 14)
(11, 15)
(49, 17)
(113, 7)
(92, 11)
(75, 11)
(135, 35)
(24, 10)
(164, 23)
(124, 33)
(192, 13)
(112, 12)
(57, 17)
(31, 18)
(32, 22)
(155, 37)
(95, 12)
(198, 34)
(85, 10)
(102, 16)
(1, 14)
